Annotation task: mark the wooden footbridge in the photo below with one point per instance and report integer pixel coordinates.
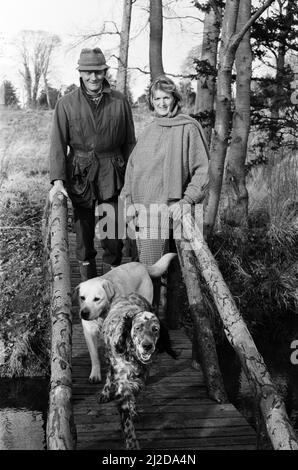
(174, 411)
(179, 409)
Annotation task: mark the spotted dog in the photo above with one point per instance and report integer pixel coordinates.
(95, 296)
(132, 333)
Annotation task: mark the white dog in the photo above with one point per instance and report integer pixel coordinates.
(95, 296)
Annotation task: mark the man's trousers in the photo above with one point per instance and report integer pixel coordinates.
(111, 242)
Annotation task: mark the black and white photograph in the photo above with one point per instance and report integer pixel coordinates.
(148, 229)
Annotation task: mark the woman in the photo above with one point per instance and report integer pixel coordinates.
(168, 166)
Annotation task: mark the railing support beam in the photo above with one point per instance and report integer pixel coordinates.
(203, 339)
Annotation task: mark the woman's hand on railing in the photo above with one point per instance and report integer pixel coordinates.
(58, 187)
(179, 209)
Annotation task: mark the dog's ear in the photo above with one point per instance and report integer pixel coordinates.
(121, 344)
(108, 287)
(75, 293)
(164, 342)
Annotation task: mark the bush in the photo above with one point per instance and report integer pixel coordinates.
(23, 294)
(10, 95)
(261, 269)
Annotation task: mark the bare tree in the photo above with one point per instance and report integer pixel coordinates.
(155, 45)
(124, 45)
(26, 72)
(230, 40)
(36, 49)
(48, 49)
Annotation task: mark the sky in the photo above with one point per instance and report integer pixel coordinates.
(70, 19)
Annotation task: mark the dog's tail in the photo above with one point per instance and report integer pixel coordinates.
(157, 269)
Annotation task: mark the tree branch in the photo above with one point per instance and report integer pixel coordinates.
(85, 37)
(139, 69)
(237, 37)
(182, 18)
(139, 32)
(145, 72)
(291, 46)
(114, 24)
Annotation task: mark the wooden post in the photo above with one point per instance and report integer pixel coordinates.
(278, 425)
(203, 340)
(173, 297)
(61, 434)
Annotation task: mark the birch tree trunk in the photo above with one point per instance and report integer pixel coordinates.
(204, 104)
(46, 87)
(36, 81)
(155, 42)
(229, 42)
(28, 85)
(26, 74)
(236, 211)
(280, 64)
(124, 45)
(223, 109)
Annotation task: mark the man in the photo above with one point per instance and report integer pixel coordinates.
(92, 137)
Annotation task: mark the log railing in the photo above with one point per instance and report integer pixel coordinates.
(61, 434)
(278, 425)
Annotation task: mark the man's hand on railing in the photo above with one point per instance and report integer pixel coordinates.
(58, 187)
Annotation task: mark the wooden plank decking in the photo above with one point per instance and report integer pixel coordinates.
(174, 411)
